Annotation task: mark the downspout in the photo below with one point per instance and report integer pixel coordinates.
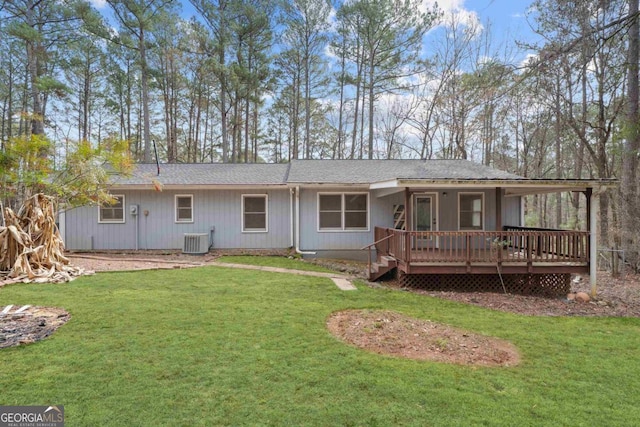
(137, 230)
(292, 220)
(297, 229)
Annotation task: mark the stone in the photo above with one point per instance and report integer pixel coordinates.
(582, 297)
(343, 284)
(23, 308)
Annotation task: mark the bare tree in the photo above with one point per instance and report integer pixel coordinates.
(138, 18)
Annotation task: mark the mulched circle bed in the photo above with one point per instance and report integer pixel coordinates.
(394, 334)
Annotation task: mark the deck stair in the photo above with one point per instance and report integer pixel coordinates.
(383, 265)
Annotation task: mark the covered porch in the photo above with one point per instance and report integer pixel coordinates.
(422, 251)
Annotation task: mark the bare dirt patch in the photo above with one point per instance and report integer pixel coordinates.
(101, 262)
(152, 259)
(394, 334)
(615, 297)
(30, 325)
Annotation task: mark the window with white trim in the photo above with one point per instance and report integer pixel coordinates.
(343, 211)
(112, 212)
(254, 212)
(471, 211)
(184, 208)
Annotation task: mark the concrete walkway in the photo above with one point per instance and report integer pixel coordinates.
(341, 281)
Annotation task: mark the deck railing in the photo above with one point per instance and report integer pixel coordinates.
(511, 245)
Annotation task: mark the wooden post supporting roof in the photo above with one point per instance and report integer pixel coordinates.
(408, 215)
(498, 208)
(593, 241)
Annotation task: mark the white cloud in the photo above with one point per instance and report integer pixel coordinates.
(113, 32)
(330, 53)
(332, 19)
(98, 4)
(455, 15)
(445, 5)
(529, 60)
(484, 60)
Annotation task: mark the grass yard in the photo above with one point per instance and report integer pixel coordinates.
(213, 346)
(273, 261)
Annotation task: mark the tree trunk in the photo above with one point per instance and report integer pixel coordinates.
(630, 186)
(246, 130)
(296, 113)
(340, 144)
(371, 104)
(354, 136)
(144, 77)
(235, 137)
(307, 101)
(37, 124)
(558, 165)
(86, 94)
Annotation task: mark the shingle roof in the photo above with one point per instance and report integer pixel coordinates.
(370, 171)
(207, 174)
(311, 172)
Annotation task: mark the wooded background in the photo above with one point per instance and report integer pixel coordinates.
(265, 81)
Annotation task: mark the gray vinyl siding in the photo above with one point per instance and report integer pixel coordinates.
(220, 209)
(511, 214)
(311, 239)
(381, 215)
(449, 209)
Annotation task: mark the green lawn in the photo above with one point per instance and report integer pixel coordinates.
(273, 261)
(214, 346)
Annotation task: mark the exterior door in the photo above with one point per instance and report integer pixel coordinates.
(424, 219)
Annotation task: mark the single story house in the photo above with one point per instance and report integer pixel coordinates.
(440, 218)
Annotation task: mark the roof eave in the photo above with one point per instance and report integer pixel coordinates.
(194, 187)
(512, 186)
(328, 184)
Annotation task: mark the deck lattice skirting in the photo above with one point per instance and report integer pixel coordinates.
(547, 285)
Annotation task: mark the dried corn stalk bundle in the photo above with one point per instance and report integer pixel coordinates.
(31, 249)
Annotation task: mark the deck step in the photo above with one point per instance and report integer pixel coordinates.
(381, 267)
(387, 260)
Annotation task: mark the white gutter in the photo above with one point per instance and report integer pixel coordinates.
(193, 187)
(298, 225)
(515, 187)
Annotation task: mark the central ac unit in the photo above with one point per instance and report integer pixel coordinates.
(195, 243)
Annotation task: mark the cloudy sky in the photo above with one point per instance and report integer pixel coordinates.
(506, 16)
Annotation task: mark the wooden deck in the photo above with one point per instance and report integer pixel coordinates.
(514, 250)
